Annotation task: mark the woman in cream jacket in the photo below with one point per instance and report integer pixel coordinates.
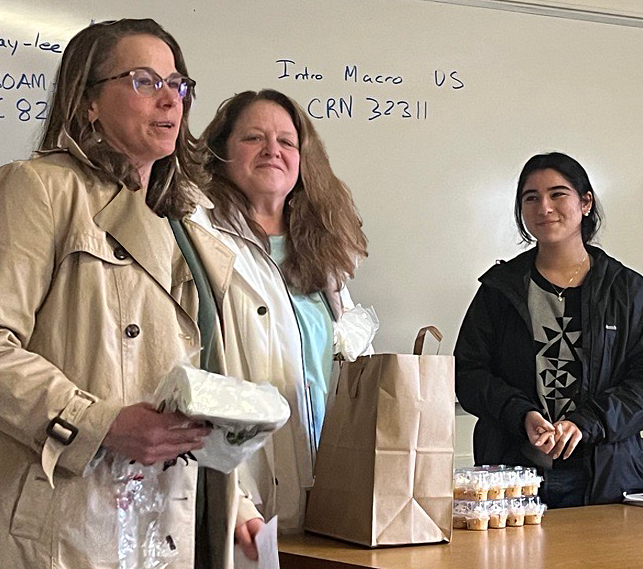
(293, 236)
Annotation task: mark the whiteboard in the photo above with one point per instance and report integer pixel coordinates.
(471, 94)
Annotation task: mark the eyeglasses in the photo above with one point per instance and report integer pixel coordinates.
(147, 82)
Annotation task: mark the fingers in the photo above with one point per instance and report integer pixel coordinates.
(572, 444)
(254, 525)
(176, 436)
(568, 437)
(246, 540)
(558, 448)
(562, 436)
(540, 422)
(179, 435)
(542, 436)
(536, 425)
(175, 429)
(546, 441)
(178, 421)
(141, 433)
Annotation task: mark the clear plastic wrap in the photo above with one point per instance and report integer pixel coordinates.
(127, 512)
(480, 491)
(243, 414)
(142, 542)
(130, 505)
(355, 331)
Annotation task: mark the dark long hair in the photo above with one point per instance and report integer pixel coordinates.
(170, 190)
(324, 238)
(576, 175)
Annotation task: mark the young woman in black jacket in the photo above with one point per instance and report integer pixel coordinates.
(550, 353)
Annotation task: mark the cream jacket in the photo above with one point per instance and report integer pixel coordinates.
(97, 304)
(261, 342)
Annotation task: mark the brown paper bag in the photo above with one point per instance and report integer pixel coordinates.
(384, 469)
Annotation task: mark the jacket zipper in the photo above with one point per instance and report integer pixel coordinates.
(310, 419)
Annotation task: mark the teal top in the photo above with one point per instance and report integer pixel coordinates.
(316, 327)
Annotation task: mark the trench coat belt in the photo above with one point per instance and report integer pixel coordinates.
(62, 431)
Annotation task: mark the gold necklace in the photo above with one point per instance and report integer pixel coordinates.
(559, 293)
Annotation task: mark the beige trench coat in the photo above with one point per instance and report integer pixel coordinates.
(96, 305)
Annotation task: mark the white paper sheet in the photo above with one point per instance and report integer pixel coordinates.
(266, 542)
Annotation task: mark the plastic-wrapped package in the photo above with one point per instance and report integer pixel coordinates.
(460, 509)
(243, 414)
(128, 506)
(534, 510)
(516, 515)
(355, 331)
(478, 515)
(498, 513)
(142, 543)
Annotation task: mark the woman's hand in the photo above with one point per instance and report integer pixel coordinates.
(567, 435)
(245, 534)
(540, 431)
(141, 433)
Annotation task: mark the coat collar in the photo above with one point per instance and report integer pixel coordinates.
(517, 271)
(330, 293)
(129, 220)
(66, 143)
(512, 277)
(219, 259)
(240, 227)
(146, 237)
(216, 258)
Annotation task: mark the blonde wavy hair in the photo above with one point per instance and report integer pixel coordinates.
(170, 190)
(324, 238)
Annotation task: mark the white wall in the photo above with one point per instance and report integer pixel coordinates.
(463, 452)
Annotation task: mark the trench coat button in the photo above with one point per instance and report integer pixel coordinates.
(120, 253)
(132, 330)
(261, 310)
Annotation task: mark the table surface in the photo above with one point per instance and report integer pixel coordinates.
(594, 536)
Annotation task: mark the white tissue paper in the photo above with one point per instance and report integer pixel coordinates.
(355, 331)
(242, 413)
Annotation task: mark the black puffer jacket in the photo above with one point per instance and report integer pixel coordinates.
(496, 370)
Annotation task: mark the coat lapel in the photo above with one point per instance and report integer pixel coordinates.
(216, 258)
(146, 237)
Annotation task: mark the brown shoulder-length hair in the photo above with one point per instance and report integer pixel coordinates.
(86, 57)
(324, 238)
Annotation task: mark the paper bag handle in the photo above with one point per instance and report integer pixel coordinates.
(419, 340)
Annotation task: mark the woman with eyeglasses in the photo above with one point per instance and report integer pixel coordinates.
(550, 353)
(97, 305)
